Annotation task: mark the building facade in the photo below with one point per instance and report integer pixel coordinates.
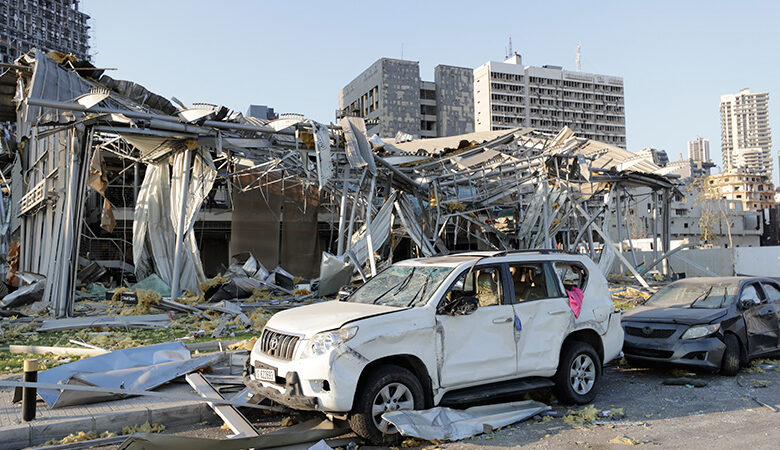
(753, 189)
(699, 149)
(393, 98)
(508, 95)
(746, 139)
(45, 24)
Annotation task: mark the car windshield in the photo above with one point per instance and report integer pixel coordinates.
(687, 294)
(401, 286)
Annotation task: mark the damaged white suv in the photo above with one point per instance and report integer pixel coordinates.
(442, 330)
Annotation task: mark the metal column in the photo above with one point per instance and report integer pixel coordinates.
(176, 275)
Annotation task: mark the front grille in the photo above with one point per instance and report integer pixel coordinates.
(647, 352)
(657, 333)
(278, 345)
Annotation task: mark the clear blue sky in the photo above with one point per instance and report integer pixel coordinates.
(676, 57)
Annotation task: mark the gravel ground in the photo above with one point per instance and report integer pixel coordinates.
(721, 415)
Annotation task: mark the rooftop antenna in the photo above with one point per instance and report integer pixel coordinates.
(402, 50)
(509, 51)
(578, 58)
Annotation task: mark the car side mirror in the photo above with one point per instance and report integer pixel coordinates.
(747, 303)
(464, 306)
(459, 303)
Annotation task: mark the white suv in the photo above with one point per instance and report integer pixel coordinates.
(442, 330)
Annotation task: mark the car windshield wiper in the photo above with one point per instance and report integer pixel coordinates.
(398, 285)
(703, 296)
(421, 292)
(725, 295)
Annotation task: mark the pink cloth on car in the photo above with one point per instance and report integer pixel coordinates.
(575, 301)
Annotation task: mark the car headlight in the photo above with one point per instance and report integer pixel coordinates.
(322, 343)
(700, 331)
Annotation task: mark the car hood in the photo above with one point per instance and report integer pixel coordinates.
(687, 316)
(311, 319)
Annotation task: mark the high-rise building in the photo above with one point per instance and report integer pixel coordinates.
(261, 112)
(392, 98)
(746, 139)
(508, 95)
(43, 24)
(699, 149)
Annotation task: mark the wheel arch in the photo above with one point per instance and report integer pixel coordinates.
(588, 336)
(409, 362)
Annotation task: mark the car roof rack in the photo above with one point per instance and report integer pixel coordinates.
(539, 251)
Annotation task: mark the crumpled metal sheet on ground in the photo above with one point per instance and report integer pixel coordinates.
(75, 323)
(297, 434)
(116, 360)
(135, 379)
(446, 424)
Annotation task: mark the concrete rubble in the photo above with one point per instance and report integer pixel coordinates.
(109, 189)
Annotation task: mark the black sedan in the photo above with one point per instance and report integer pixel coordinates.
(706, 323)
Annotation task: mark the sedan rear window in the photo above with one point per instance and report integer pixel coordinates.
(687, 294)
(401, 286)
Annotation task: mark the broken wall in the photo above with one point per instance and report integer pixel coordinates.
(256, 223)
(300, 249)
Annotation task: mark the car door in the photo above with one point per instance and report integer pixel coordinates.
(760, 319)
(543, 315)
(480, 346)
(772, 292)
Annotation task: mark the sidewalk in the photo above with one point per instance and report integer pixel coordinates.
(100, 417)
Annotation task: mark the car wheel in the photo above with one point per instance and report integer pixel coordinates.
(579, 374)
(388, 388)
(731, 356)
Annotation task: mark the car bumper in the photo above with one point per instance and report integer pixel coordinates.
(704, 353)
(290, 397)
(324, 383)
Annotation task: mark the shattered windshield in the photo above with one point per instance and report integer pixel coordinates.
(695, 295)
(401, 286)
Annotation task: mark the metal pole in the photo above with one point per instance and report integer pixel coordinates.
(29, 394)
(369, 242)
(619, 223)
(351, 226)
(177, 262)
(136, 180)
(343, 213)
(654, 228)
(667, 225)
(546, 219)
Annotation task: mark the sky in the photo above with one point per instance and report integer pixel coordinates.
(676, 57)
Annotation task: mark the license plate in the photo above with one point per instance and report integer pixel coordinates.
(267, 375)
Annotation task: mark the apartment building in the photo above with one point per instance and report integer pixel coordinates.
(699, 149)
(393, 98)
(44, 24)
(508, 95)
(752, 188)
(746, 139)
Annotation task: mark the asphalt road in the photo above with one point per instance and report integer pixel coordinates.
(721, 415)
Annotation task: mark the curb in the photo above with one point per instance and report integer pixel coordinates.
(31, 433)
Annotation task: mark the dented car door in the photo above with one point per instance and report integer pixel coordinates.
(479, 346)
(760, 320)
(543, 318)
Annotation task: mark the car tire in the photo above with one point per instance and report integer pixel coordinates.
(401, 384)
(732, 356)
(578, 375)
